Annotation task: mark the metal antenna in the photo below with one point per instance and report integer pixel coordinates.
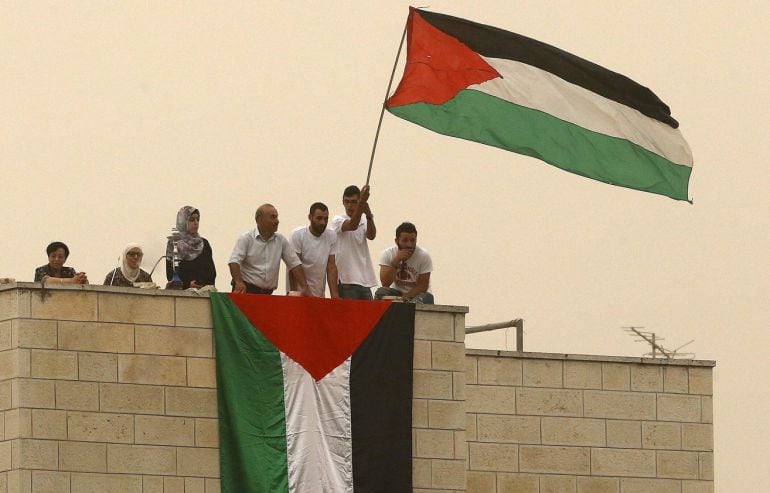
(651, 339)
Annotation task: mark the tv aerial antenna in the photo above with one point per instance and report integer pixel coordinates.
(658, 351)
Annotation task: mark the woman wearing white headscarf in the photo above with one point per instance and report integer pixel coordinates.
(196, 261)
(129, 272)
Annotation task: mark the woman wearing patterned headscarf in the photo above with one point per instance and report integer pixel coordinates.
(196, 262)
(129, 272)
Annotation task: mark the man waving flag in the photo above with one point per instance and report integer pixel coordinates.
(499, 88)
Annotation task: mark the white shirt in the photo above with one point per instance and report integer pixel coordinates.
(314, 252)
(260, 260)
(354, 263)
(407, 273)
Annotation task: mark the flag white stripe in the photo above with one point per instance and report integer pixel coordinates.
(318, 429)
(538, 89)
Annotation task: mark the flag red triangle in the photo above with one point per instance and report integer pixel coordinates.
(319, 334)
(438, 66)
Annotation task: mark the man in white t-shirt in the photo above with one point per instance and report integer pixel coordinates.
(316, 247)
(354, 229)
(405, 268)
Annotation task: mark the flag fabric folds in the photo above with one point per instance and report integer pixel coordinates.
(313, 394)
(487, 85)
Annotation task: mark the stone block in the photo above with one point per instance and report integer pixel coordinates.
(490, 399)
(154, 370)
(707, 409)
(673, 407)
(501, 457)
(438, 444)
(646, 378)
(558, 484)
(421, 359)
(458, 385)
(18, 424)
(54, 364)
(619, 405)
(675, 379)
(508, 429)
(82, 456)
(27, 333)
(152, 484)
(700, 380)
(542, 373)
(6, 394)
(102, 483)
(100, 427)
(65, 305)
(499, 371)
(661, 435)
(419, 413)
(6, 455)
(174, 341)
(470, 427)
(37, 454)
(421, 473)
(206, 432)
(7, 337)
(432, 384)
(574, 431)
(597, 485)
(448, 474)
(99, 337)
(447, 415)
(200, 403)
(201, 372)
(624, 434)
(471, 369)
(434, 326)
(481, 482)
(549, 402)
(128, 398)
(697, 487)
(194, 485)
(697, 436)
(78, 396)
(160, 430)
(49, 424)
(677, 464)
(50, 482)
(554, 460)
(582, 375)
(623, 462)
(173, 485)
(517, 483)
(615, 376)
(136, 309)
(213, 485)
(636, 485)
(447, 356)
(20, 481)
(9, 305)
(140, 459)
(14, 363)
(193, 312)
(98, 367)
(461, 444)
(200, 462)
(706, 465)
(28, 392)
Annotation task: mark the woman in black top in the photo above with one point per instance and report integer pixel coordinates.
(54, 271)
(196, 262)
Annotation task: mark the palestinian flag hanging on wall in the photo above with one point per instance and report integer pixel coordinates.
(313, 394)
(499, 88)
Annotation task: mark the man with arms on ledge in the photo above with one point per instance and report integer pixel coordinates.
(256, 259)
(354, 229)
(316, 247)
(405, 268)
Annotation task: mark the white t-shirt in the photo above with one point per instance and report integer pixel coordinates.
(354, 263)
(406, 275)
(260, 260)
(314, 252)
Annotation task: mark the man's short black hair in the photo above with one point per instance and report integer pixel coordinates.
(55, 246)
(405, 228)
(351, 190)
(318, 205)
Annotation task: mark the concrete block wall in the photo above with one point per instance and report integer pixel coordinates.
(542, 423)
(113, 389)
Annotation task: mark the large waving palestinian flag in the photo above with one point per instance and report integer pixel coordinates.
(314, 394)
(492, 86)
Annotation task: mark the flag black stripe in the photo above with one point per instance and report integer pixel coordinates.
(490, 41)
(381, 404)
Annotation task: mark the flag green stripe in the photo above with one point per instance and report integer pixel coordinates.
(252, 423)
(479, 117)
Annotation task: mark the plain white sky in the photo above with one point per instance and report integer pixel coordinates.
(115, 114)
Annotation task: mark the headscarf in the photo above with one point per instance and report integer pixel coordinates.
(128, 272)
(190, 245)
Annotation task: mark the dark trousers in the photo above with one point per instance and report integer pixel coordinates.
(253, 289)
(355, 292)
